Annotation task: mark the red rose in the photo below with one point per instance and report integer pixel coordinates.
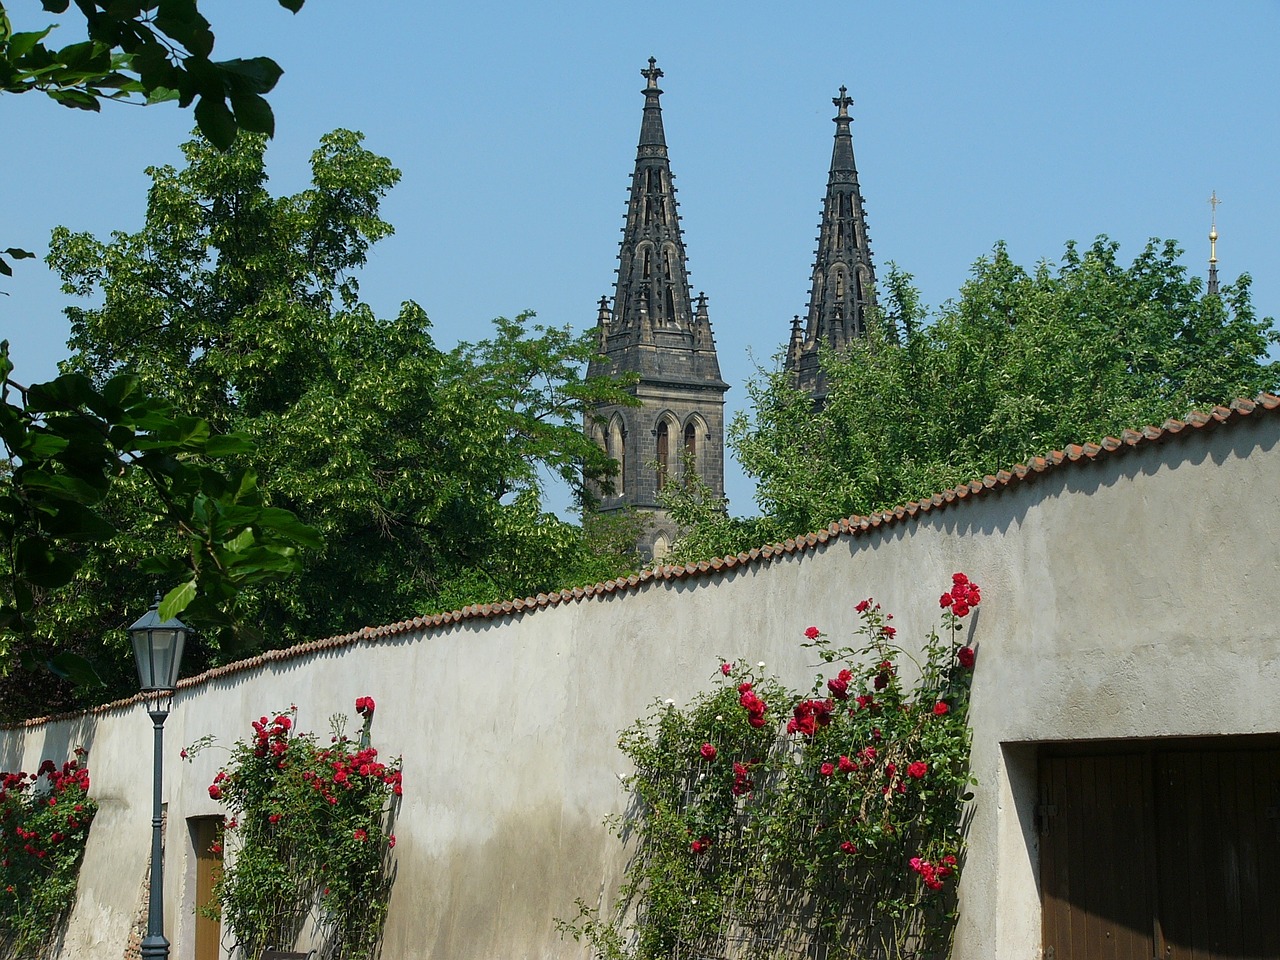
(864, 606)
(839, 688)
(813, 633)
(959, 578)
(756, 719)
(846, 765)
(944, 601)
(726, 668)
(960, 608)
(917, 769)
(391, 840)
(827, 769)
(848, 847)
(708, 751)
(360, 834)
(965, 656)
(364, 706)
(889, 632)
(940, 708)
(274, 818)
(215, 793)
(744, 686)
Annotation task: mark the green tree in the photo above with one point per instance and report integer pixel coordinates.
(1024, 362)
(423, 469)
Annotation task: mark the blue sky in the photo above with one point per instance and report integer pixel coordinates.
(515, 128)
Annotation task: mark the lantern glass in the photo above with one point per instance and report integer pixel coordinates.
(157, 647)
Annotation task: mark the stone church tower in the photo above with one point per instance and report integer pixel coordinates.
(657, 330)
(843, 277)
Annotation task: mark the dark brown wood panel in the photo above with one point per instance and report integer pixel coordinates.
(1095, 842)
(1164, 853)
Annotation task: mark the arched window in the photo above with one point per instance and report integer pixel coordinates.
(618, 450)
(691, 449)
(664, 453)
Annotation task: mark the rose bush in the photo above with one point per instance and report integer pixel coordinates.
(44, 826)
(837, 831)
(309, 833)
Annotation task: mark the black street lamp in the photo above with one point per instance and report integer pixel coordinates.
(157, 645)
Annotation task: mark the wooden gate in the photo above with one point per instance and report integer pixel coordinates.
(1172, 854)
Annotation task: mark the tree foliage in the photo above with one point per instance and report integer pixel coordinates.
(1023, 362)
(423, 469)
(143, 51)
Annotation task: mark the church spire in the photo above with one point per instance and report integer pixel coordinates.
(843, 279)
(1213, 243)
(653, 278)
(661, 334)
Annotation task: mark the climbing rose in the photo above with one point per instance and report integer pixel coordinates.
(827, 769)
(726, 668)
(215, 793)
(940, 708)
(864, 606)
(364, 706)
(917, 769)
(708, 751)
(813, 633)
(966, 657)
(848, 847)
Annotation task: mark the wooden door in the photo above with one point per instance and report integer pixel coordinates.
(1095, 848)
(206, 836)
(1160, 854)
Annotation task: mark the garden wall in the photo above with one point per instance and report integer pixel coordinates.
(1126, 594)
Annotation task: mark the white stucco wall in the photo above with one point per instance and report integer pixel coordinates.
(1126, 596)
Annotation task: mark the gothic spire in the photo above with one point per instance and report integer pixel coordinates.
(843, 278)
(653, 277)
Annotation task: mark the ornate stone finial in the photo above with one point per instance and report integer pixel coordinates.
(844, 101)
(652, 74)
(603, 315)
(1213, 243)
(1213, 226)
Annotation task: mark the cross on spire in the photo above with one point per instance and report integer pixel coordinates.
(652, 74)
(1213, 204)
(844, 101)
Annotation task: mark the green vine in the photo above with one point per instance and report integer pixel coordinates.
(836, 834)
(310, 832)
(44, 825)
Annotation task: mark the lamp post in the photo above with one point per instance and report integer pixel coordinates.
(157, 646)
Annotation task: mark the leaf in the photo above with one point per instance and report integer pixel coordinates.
(293, 6)
(229, 444)
(75, 668)
(19, 254)
(253, 113)
(20, 44)
(242, 542)
(76, 99)
(256, 75)
(177, 600)
(216, 121)
(284, 523)
(39, 562)
(77, 523)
